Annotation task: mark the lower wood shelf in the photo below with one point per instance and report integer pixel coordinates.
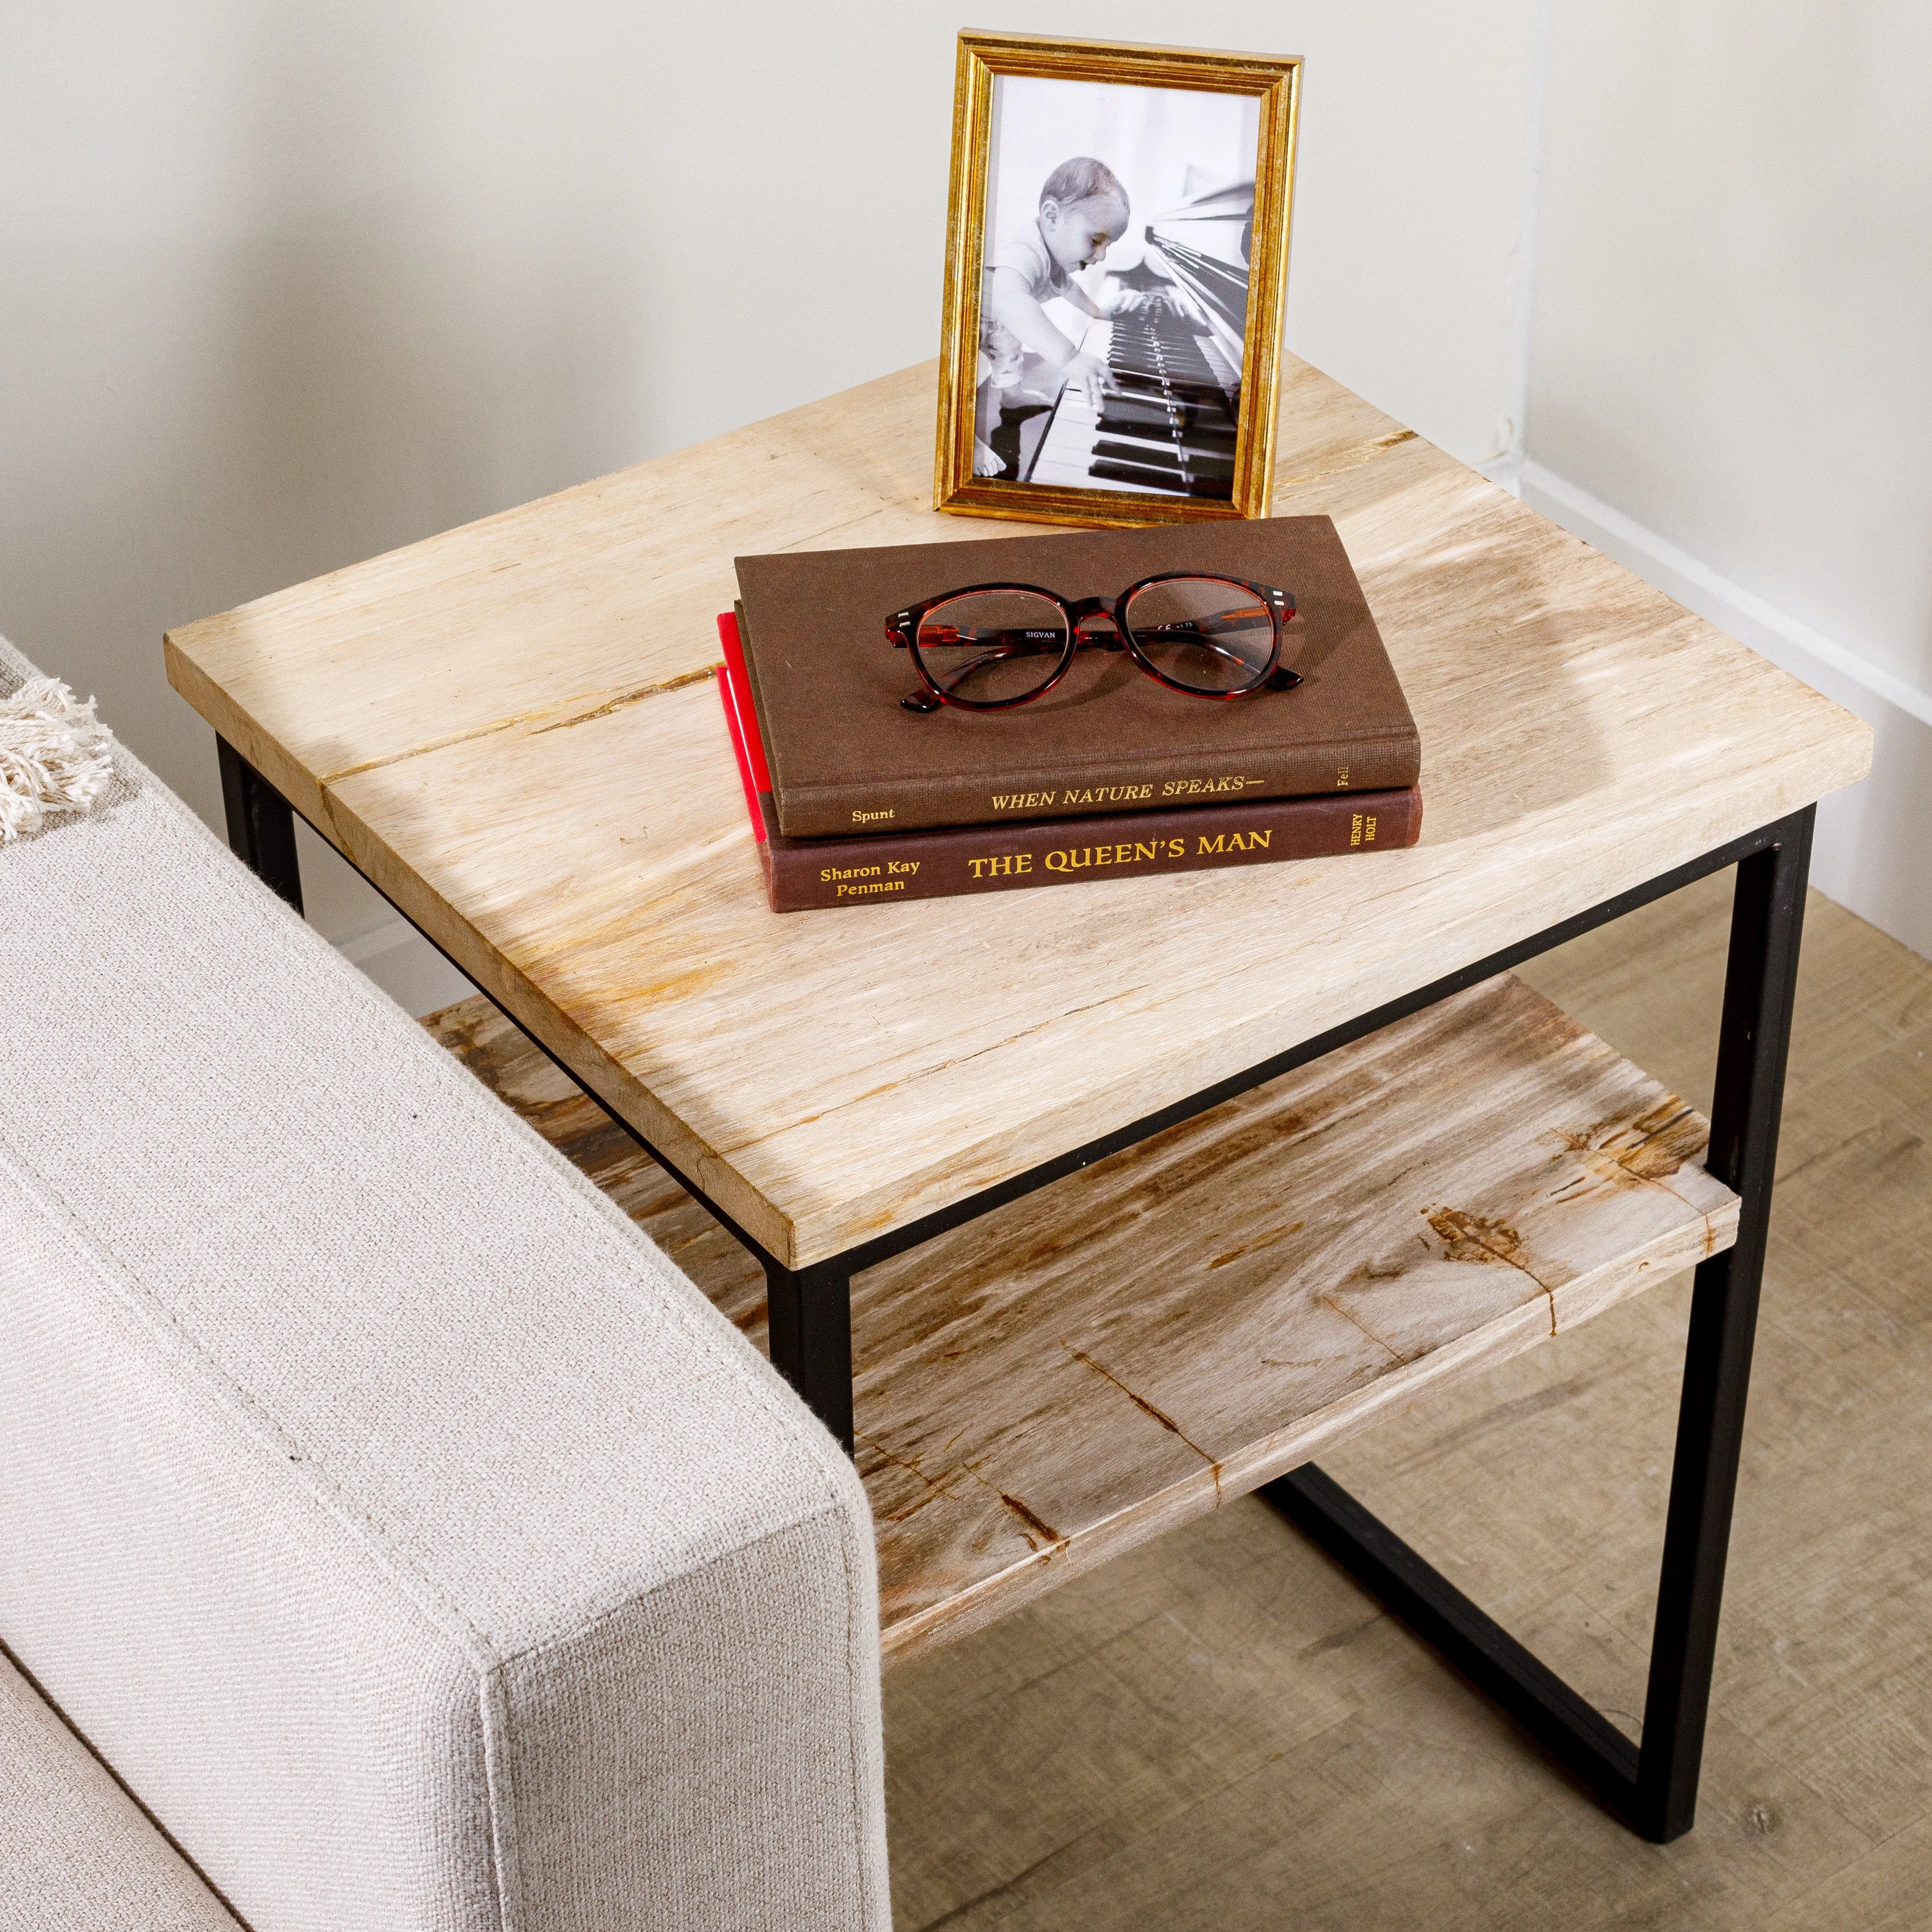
(1045, 1387)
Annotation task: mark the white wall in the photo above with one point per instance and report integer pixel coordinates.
(1730, 371)
(287, 285)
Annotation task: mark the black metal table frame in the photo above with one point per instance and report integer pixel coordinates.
(1653, 1788)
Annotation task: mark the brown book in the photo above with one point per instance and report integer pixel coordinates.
(847, 759)
(802, 874)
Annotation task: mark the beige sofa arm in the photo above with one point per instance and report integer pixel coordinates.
(75, 1851)
(417, 1543)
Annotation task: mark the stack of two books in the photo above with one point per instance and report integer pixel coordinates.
(856, 800)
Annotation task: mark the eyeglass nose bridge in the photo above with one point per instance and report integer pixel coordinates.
(1087, 608)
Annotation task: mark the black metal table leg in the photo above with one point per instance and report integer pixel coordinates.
(1652, 1788)
(261, 825)
(810, 1313)
(1760, 985)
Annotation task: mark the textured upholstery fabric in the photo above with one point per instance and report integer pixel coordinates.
(75, 1852)
(417, 1542)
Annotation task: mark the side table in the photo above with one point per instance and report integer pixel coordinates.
(510, 730)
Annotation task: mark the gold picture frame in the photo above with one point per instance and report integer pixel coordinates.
(1197, 480)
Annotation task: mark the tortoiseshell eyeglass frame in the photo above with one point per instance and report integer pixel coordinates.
(902, 628)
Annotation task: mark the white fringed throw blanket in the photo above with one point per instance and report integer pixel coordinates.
(53, 756)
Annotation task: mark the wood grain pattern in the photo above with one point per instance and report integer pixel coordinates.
(1053, 1384)
(509, 728)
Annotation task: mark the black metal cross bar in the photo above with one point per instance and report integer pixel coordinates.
(1653, 1788)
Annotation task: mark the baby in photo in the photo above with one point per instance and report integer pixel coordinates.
(1000, 357)
(1083, 209)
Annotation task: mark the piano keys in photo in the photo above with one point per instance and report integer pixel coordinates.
(1170, 424)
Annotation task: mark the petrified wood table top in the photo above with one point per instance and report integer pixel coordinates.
(511, 728)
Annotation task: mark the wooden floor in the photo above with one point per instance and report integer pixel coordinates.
(1217, 1730)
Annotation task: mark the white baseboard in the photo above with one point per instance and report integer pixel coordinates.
(406, 966)
(1559, 499)
(1873, 855)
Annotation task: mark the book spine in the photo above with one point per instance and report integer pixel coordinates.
(1391, 762)
(806, 875)
(744, 748)
(738, 668)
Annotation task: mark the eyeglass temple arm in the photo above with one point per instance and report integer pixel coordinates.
(1019, 643)
(1003, 644)
(1104, 606)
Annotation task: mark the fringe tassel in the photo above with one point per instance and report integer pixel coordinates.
(54, 756)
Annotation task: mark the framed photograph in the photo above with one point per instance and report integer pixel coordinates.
(1116, 252)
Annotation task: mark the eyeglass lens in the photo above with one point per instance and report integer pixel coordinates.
(1204, 633)
(992, 646)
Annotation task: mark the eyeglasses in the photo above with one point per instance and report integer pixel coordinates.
(990, 647)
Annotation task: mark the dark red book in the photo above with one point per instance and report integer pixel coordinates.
(802, 874)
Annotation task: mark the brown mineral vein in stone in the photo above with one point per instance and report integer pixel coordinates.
(1651, 1148)
(1267, 1239)
(1146, 1408)
(624, 698)
(1469, 1238)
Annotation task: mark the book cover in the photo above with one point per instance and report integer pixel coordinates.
(803, 875)
(846, 759)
